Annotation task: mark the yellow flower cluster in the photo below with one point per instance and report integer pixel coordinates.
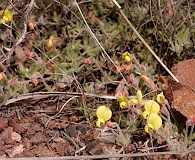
(5, 16)
(154, 121)
(152, 108)
(125, 103)
(104, 114)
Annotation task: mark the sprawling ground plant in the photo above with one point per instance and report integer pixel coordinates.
(88, 51)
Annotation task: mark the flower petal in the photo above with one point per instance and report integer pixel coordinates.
(104, 112)
(6, 16)
(155, 120)
(122, 99)
(49, 43)
(9, 15)
(100, 122)
(152, 106)
(139, 96)
(149, 128)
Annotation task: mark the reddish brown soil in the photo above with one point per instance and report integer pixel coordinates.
(25, 134)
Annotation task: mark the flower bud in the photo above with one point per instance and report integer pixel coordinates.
(131, 78)
(88, 60)
(31, 24)
(139, 96)
(126, 56)
(49, 43)
(1, 76)
(123, 105)
(160, 98)
(111, 124)
(143, 68)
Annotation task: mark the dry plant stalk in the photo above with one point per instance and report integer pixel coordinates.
(130, 155)
(143, 41)
(97, 41)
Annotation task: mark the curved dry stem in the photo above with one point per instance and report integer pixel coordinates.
(60, 110)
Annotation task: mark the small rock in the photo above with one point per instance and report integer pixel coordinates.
(184, 102)
(15, 150)
(38, 138)
(184, 91)
(5, 135)
(43, 151)
(185, 72)
(16, 137)
(3, 123)
(71, 131)
(60, 148)
(16, 126)
(2, 154)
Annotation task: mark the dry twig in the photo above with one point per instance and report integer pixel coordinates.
(97, 41)
(143, 41)
(10, 51)
(129, 155)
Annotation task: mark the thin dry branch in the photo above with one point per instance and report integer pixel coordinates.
(97, 41)
(10, 51)
(129, 155)
(60, 110)
(41, 95)
(143, 41)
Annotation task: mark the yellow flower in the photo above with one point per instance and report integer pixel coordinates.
(160, 98)
(139, 96)
(123, 105)
(126, 56)
(103, 113)
(154, 122)
(1, 76)
(123, 102)
(152, 106)
(49, 43)
(6, 16)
